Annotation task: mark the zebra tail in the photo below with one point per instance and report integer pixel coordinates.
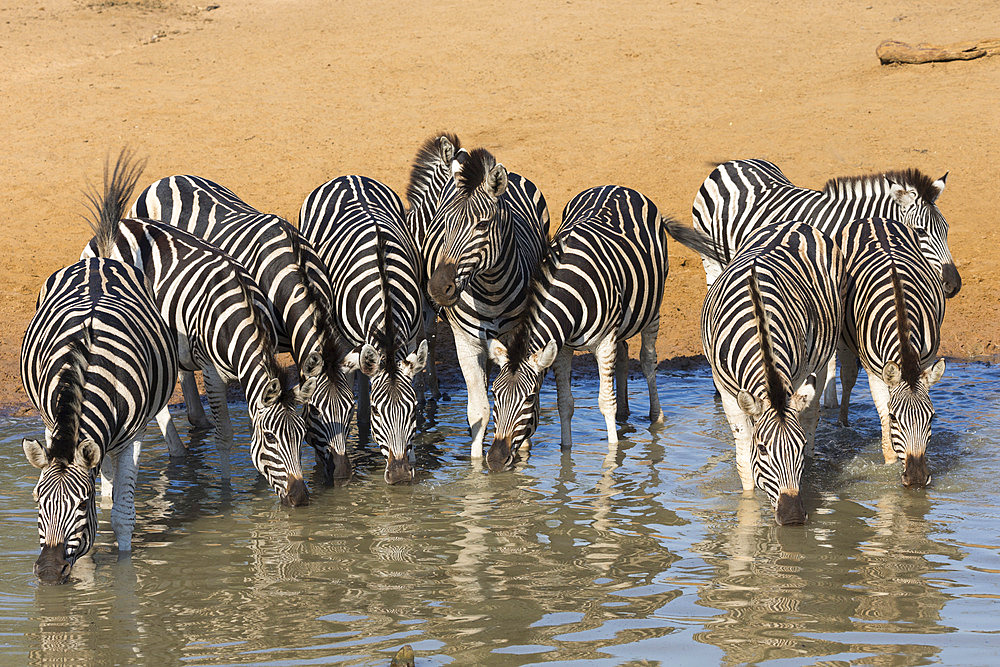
(700, 242)
(69, 399)
(389, 340)
(107, 208)
(775, 387)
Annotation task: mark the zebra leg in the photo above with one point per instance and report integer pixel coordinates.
(563, 369)
(123, 511)
(472, 358)
(621, 381)
(830, 388)
(174, 445)
(809, 417)
(108, 482)
(430, 369)
(848, 378)
(647, 359)
(364, 417)
(880, 394)
(215, 388)
(605, 353)
(192, 401)
(742, 434)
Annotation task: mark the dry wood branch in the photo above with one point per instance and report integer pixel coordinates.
(891, 51)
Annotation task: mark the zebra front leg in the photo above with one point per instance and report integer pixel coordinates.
(880, 395)
(364, 417)
(830, 386)
(192, 401)
(215, 389)
(472, 358)
(621, 381)
(647, 359)
(174, 445)
(123, 510)
(848, 377)
(742, 430)
(605, 353)
(108, 482)
(563, 369)
(430, 370)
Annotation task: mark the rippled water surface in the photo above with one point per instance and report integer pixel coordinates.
(647, 554)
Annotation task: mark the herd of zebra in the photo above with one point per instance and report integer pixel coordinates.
(193, 278)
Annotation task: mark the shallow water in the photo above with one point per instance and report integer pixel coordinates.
(643, 555)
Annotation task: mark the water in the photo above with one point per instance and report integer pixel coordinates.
(643, 555)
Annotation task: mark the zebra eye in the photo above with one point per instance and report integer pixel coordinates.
(270, 439)
(761, 449)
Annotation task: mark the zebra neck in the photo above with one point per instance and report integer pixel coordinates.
(855, 200)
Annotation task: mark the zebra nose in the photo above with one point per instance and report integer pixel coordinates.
(52, 566)
(398, 470)
(341, 467)
(952, 281)
(296, 493)
(500, 455)
(442, 286)
(915, 471)
(789, 510)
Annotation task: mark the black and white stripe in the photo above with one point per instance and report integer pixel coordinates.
(356, 226)
(294, 282)
(97, 362)
(770, 323)
(600, 284)
(893, 309)
(481, 247)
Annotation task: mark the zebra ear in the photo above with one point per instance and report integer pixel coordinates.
(934, 373)
(369, 359)
(35, 453)
(416, 361)
(312, 365)
(544, 357)
(351, 362)
(304, 392)
(498, 352)
(272, 392)
(88, 454)
(805, 394)
(939, 185)
(749, 403)
(447, 149)
(891, 374)
(496, 181)
(902, 195)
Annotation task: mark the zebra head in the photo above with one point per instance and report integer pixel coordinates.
(472, 223)
(778, 447)
(394, 407)
(276, 439)
(515, 397)
(910, 415)
(67, 514)
(328, 411)
(916, 197)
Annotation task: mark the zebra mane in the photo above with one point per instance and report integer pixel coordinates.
(848, 186)
(388, 333)
(331, 346)
(776, 392)
(910, 358)
(69, 400)
(428, 161)
(107, 208)
(474, 171)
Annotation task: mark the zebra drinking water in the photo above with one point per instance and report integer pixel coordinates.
(600, 284)
(356, 226)
(482, 244)
(769, 325)
(222, 326)
(893, 309)
(296, 287)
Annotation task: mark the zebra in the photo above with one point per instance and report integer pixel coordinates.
(769, 324)
(356, 226)
(481, 246)
(893, 309)
(97, 361)
(429, 175)
(223, 328)
(600, 283)
(741, 195)
(297, 290)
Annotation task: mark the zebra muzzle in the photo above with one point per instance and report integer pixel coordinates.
(915, 471)
(398, 470)
(500, 457)
(789, 510)
(52, 566)
(951, 280)
(441, 285)
(296, 493)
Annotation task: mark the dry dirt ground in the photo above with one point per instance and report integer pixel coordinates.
(274, 97)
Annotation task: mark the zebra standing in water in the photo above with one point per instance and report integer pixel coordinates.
(769, 325)
(222, 326)
(356, 226)
(429, 175)
(297, 290)
(600, 284)
(893, 311)
(483, 243)
(742, 195)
